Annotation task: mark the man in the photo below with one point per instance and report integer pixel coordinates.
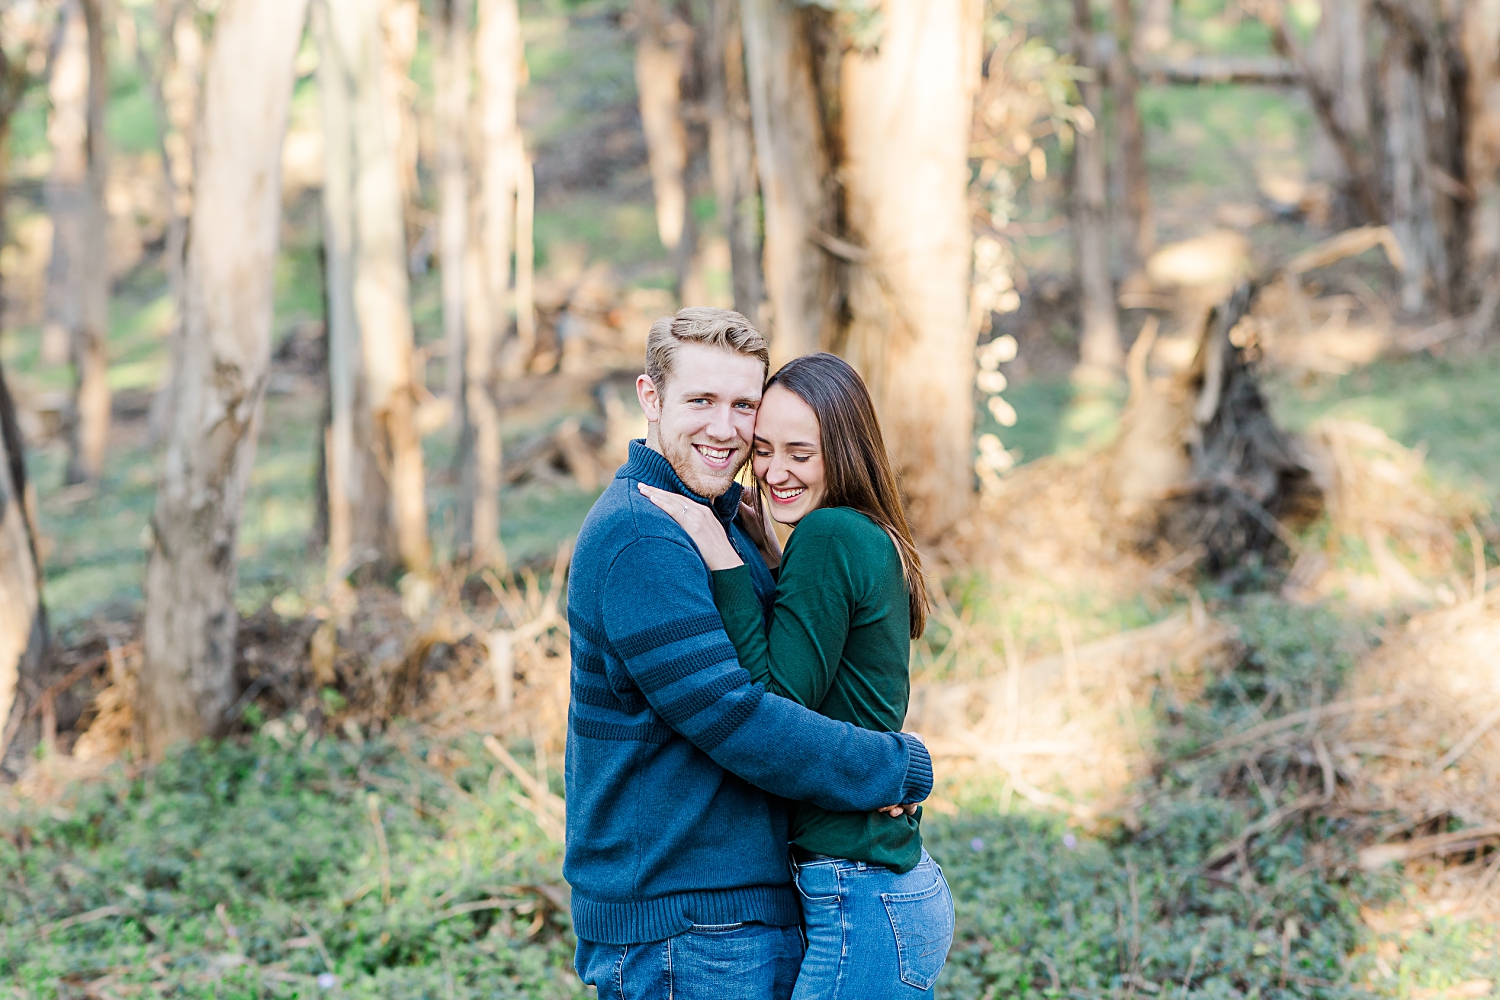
(677, 763)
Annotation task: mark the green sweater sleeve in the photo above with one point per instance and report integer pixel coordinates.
(815, 598)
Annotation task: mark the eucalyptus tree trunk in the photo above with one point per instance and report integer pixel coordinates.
(1481, 47)
(794, 161)
(187, 683)
(1337, 54)
(175, 78)
(399, 29)
(452, 68)
(732, 153)
(1138, 229)
(661, 58)
(78, 280)
(1100, 353)
(23, 622)
(499, 158)
(23, 619)
(385, 479)
(1424, 153)
(67, 180)
(907, 116)
(351, 473)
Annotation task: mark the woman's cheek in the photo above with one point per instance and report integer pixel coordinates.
(759, 466)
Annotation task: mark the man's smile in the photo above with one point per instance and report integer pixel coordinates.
(718, 458)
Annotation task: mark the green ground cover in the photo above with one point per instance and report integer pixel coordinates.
(251, 867)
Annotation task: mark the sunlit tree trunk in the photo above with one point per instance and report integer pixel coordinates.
(23, 624)
(352, 476)
(187, 682)
(399, 28)
(1138, 229)
(1337, 54)
(1481, 45)
(1101, 355)
(498, 160)
(732, 153)
(451, 71)
(660, 58)
(1154, 33)
(175, 77)
(1423, 126)
(389, 518)
(23, 619)
(794, 163)
(78, 282)
(907, 116)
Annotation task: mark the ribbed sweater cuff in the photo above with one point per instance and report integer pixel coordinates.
(918, 783)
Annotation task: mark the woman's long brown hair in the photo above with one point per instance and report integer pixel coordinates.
(857, 471)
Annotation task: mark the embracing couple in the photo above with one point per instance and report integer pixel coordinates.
(741, 801)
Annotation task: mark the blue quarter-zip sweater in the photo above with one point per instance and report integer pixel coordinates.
(675, 757)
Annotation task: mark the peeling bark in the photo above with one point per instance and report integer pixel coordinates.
(187, 682)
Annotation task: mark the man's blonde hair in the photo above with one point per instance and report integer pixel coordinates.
(701, 325)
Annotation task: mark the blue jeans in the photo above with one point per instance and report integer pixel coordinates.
(709, 962)
(871, 933)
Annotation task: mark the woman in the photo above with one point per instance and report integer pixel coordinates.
(849, 598)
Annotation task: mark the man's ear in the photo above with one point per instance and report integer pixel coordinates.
(645, 391)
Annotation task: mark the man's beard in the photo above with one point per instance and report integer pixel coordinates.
(683, 458)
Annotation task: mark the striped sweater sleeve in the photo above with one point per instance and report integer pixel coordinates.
(660, 619)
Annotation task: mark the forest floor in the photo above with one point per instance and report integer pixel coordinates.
(299, 859)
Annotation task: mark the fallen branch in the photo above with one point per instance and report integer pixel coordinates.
(79, 672)
(549, 810)
(89, 917)
(1380, 855)
(1268, 71)
(1349, 243)
(1372, 703)
(1470, 738)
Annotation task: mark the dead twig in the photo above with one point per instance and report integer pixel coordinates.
(372, 805)
(1470, 738)
(1380, 855)
(1294, 719)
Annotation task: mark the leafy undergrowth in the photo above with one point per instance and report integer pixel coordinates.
(250, 869)
(254, 868)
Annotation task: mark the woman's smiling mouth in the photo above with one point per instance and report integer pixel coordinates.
(787, 494)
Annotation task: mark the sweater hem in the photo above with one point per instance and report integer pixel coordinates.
(647, 920)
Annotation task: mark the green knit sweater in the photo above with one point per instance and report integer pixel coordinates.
(838, 642)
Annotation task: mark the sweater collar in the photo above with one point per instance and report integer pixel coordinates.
(649, 466)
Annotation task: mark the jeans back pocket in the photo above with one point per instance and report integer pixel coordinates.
(923, 922)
